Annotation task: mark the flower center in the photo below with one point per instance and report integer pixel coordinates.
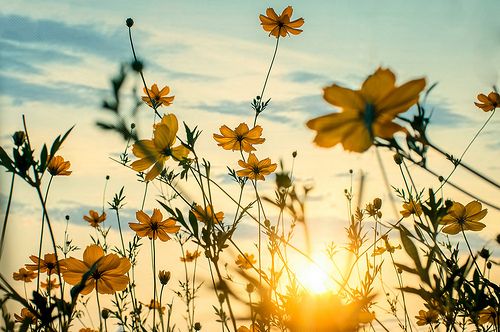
(369, 117)
(154, 226)
(167, 152)
(256, 170)
(96, 275)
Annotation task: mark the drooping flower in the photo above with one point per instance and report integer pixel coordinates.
(488, 103)
(159, 97)
(207, 215)
(246, 262)
(164, 276)
(24, 275)
(94, 218)
(411, 208)
(190, 256)
(47, 264)
(109, 274)
(255, 169)
(427, 317)
(280, 26)
(241, 138)
(26, 316)
(154, 226)
(488, 315)
(154, 152)
(57, 166)
(366, 113)
(464, 218)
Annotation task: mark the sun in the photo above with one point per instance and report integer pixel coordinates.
(313, 274)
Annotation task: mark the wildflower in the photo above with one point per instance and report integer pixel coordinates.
(246, 261)
(47, 264)
(57, 166)
(252, 328)
(154, 227)
(366, 113)
(464, 218)
(159, 97)
(19, 138)
(154, 305)
(109, 272)
(280, 25)
(240, 138)
(94, 218)
(164, 277)
(255, 169)
(189, 257)
(50, 284)
(207, 215)
(156, 151)
(488, 103)
(411, 207)
(426, 317)
(373, 209)
(24, 275)
(87, 329)
(26, 316)
(488, 315)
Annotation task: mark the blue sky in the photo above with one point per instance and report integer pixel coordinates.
(56, 59)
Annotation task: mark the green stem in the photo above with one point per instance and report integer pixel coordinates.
(154, 284)
(6, 218)
(98, 306)
(41, 236)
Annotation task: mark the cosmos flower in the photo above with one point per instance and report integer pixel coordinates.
(427, 317)
(280, 26)
(94, 218)
(154, 305)
(159, 97)
(57, 166)
(164, 276)
(255, 169)
(488, 103)
(190, 256)
(47, 264)
(26, 316)
(411, 207)
(24, 275)
(464, 218)
(366, 113)
(239, 139)
(246, 262)
(154, 152)
(154, 227)
(50, 284)
(109, 275)
(87, 329)
(252, 328)
(207, 215)
(488, 315)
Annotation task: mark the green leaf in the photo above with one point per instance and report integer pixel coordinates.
(194, 223)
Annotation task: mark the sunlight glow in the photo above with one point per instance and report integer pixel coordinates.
(313, 276)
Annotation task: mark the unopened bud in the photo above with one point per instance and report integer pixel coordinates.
(18, 138)
(164, 277)
(294, 154)
(197, 326)
(398, 159)
(250, 288)
(129, 22)
(377, 203)
(105, 313)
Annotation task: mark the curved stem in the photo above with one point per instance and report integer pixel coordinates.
(6, 218)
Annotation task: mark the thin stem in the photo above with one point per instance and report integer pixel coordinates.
(6, 218)
(154, 283)
(41, 236)
(144, 196)
(98, 306)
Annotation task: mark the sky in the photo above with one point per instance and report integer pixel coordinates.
(56, 60)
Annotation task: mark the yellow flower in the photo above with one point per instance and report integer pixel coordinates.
(366, 113)
(411, 207)
(94, 218)
(108, 277)
(154, 227)
(189, 257)
(427, 317)
(207, 215)
(253, 328)
(57, 166)
(255, 169)
(154, 152)
(488, 103)
(26, 316)
(50, 284)
(87, 329)
(159, 97)
(464, 218)
(154, 305)
(239, 139)
(47, 264)
(488, 315)
(24, 275)
(280, 25)
(246, 262)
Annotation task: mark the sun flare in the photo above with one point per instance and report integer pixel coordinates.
(314, 275)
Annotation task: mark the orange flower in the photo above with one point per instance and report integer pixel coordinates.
(411, 207)
(26, 316)
(50, 284)
(57, 166)
(207, 215)
(159, 97)
(255, 169)
(154, 305)
(464, 218)
(94, 218)
(24, 275)
(366, 113)
(427, 317)
(245, 262)
(109, 274)
(87, 329)
(189, 257)
(253, 328)
(154, 152)
(239, 139)
(488, 103)
(280, 26)
(154, 227)
(47, 264)
(488, 315)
